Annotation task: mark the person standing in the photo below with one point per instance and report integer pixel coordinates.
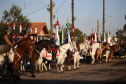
(53, 46)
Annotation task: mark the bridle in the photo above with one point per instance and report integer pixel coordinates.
(30, 45)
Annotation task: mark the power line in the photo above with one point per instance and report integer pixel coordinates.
(35, 11)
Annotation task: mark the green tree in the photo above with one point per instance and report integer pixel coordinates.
(15, 13)
(121, 34)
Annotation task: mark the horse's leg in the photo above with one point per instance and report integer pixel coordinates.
(100, 59)
(66, 63)
(33, 65)
(49, 64)
(69, 64)
(45, 67)
(75, 62)
(78, 59)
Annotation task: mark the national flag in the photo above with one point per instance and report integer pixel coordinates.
(68, 24)
(35, 29)
(57, 35)
(104, 37)
(69, 39)
(20, 27)
(95, 37)
(62, 36)
(31, 28)
(58, 23)
(110, 36)
(92, 37)
(13, 25)
(73, 27)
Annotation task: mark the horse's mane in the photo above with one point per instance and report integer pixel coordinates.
(78, 46)
(42, 44)
(24, 40)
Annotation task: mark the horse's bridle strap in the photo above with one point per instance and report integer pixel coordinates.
(18, 55)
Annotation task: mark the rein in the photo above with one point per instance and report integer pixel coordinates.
(20, 51)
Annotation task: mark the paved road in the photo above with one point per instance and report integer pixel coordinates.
(112, 72)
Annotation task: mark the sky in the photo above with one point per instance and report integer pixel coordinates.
(87, 12)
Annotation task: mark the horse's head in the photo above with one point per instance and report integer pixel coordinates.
(49, 46)
(107, 47)
(73, 47)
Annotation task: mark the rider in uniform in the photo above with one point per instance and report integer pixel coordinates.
(53, 46)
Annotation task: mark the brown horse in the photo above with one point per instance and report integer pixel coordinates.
(68, 59)
(113, 49)
(36, 52)
(99, 53)
(23, 48)
(69, 55)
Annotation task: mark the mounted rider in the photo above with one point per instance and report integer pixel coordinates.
(8, 42)
(53, 46)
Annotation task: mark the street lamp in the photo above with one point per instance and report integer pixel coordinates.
(90, 19)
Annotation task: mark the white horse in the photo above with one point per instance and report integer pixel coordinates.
(93, 51)
(84, 47)
(61, 55)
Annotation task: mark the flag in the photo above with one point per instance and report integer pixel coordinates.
(73, 27)
(31, 28)
(68, 24)
(92, 37)
(95, 37)
(58, 23)
(13, 25)
(35, 29)
(20, 27)
(110, 36)
(57, 35)
(104, 37)
(62, 36)
(69, 39)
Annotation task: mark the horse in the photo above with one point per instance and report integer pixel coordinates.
(19, 54)
(94, 47)
(99, 53)
(68, 58)
(36, 55)
(113, 49)
(84, 50)
(61, 55)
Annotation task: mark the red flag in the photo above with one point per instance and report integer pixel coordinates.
(58, 23)
(92, 38)
(35, 29)
(13, 25)
(20, 27)
(73, 27)
(31, 28)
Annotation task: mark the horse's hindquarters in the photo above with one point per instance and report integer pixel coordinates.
(4, 48)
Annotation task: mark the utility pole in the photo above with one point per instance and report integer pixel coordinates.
(98, 26)
(103, 17)
(51, 17)
(72, 13)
